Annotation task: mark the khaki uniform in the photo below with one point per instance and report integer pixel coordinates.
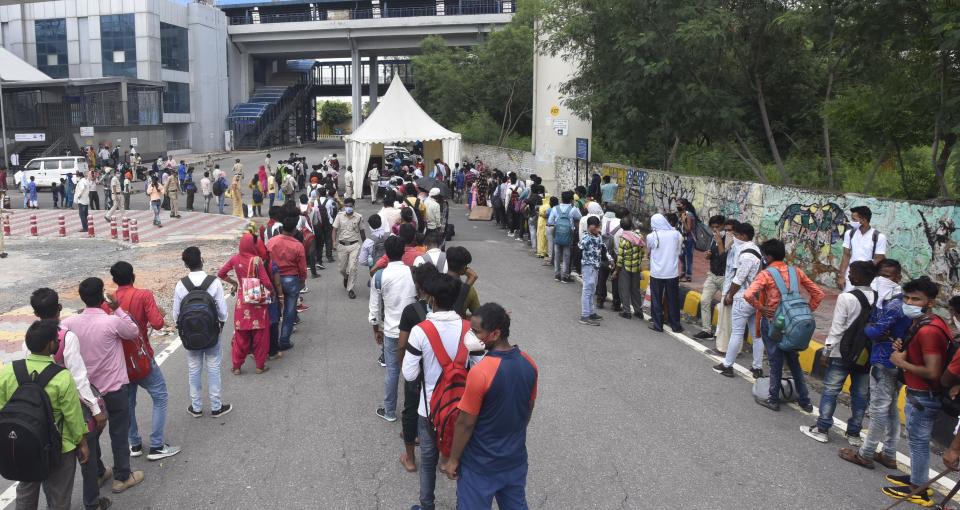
(173, 191)
(349, 240)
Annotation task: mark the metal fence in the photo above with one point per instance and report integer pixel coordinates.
(254, 18)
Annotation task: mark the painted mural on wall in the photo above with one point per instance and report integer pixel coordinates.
(923, 237)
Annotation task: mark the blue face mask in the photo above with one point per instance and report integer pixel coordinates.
(348, 210)
(912, 311)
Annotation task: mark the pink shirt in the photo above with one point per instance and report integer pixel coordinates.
(100, 335)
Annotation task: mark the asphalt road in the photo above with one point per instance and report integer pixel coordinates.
(625, 418)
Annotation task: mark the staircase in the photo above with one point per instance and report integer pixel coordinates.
(264, 120)
(32, 152)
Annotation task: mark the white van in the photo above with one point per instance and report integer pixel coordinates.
(47, 171)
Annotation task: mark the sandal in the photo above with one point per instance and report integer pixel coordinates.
(853, 456)
(262, 370)
(236, 371)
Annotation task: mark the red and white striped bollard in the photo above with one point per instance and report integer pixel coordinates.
(61, 226)
(113, 228)
(134, 235)
(91, 230)
(34, 230)
(125, 229)
(6, 225)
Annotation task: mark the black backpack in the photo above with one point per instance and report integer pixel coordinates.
(855, 345)
(198, 323)
(219, 186)
(31, 441)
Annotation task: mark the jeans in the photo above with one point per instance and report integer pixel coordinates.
(391, 376)
(478, 490)
(155, 207)
(884, 415)
(589, 277)
(833, 381)
(428, 463)
(743, 322)
(84, 211)
(922, 409)
(532, 227)
(561, 261)
(272, 197)
(156, 386)
(206, 203)
(220, 203)
(711, 286)
(118, 423)
(196, 360)
(550, 229)
(686, 257)
(776, 357)
(291, 292)
(670, 287)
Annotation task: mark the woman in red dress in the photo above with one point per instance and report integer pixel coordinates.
(251, 322)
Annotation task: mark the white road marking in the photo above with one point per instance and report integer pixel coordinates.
(9, 496)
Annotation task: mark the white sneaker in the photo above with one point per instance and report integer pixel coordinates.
(304, 290)
(813, 432)
(162, 453)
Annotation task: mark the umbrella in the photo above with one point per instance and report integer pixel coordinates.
(428, 183)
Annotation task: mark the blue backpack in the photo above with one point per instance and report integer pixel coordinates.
(563, 229)
(798, 322)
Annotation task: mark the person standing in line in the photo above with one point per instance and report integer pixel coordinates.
(628, 272)
(591, 246)
(206, 190)
(847, 318)
(82, 197)
(444, 328)
(116, 190)
(156, 192)
(664, 243)
(46, 306)
(42, 341)
(489, 453)
(749, 263)
(887, 322)
(348, 235)
(724, 312)
(920, 356)
(764, 295)
(717, 257)
(94, 177)
(348, 183)
(101, 338)
(393, 289)
(687, 226)
(288, 254)
(433, 218)
(251, 321)
(142, 307)
(210, 358)
(127, 189)
(412, 314)
(860, 242)
(563, 218)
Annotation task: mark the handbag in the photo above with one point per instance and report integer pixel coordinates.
(135, 355)
(254, 292)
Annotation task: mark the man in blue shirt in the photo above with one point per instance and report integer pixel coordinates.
(887, 323)
(608, 191)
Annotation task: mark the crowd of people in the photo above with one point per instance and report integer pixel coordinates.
(468, 393)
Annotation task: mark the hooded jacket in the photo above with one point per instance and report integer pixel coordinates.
(664, 245)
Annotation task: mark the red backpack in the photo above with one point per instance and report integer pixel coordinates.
(448, 391)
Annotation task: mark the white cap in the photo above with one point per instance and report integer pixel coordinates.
(434, 192)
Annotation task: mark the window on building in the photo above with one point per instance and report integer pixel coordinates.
(51, 37)
(174, 51)
(176, 97)
(118, 45)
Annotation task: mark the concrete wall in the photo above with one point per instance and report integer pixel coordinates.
(209, 88)
(151, 140)
(922, 236)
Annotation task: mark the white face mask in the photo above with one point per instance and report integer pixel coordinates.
(738, 242)
(912, 311)
(855, 225)
(885, 287)
(472, 343)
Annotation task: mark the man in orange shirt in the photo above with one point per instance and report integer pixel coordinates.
(764, 296)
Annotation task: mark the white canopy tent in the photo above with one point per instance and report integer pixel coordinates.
(397, 119)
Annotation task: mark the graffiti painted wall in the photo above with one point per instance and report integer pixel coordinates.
(922, 236)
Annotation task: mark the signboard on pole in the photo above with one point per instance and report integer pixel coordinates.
(30, 137)
(86, 131)
(583, 148)
(133, 141)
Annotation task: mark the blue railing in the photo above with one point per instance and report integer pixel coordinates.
(389, 12)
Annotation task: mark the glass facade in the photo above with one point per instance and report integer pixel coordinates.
(51, 37)
(176, 97)
(174, 51)
(118, 45)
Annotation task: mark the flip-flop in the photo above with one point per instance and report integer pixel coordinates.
(262, 370)
(236, 371)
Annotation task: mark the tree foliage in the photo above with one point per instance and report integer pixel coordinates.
(487, 88)
(804, 91)
(333, 113)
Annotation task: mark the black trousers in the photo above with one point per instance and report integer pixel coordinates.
(602, 287)
(408, 416)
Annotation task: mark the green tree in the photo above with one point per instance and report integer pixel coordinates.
(333, 113)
